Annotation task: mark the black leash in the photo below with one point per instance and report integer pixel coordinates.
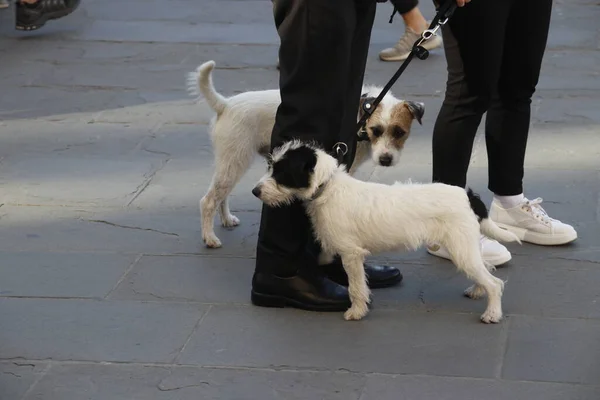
(443, 14)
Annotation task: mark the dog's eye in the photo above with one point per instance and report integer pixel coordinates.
(377, 131)
(398, 132)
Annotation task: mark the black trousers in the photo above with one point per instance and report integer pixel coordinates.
(322, 59)
(404, 6)
(494, 51)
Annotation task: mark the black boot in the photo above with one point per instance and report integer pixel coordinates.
(378, 276)
(308, 290)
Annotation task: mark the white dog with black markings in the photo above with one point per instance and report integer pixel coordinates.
(242, 128)
(354, 219)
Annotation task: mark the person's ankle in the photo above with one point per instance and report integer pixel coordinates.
(509, 201)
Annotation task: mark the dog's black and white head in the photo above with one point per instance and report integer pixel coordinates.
(389, 126)
(296, 171)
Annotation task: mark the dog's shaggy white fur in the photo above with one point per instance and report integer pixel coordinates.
(242, 128)
(354, 219)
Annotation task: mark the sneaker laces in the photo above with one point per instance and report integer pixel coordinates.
(406, 42)
(534, 208)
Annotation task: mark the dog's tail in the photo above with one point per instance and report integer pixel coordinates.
(489, 227)
(200, 81)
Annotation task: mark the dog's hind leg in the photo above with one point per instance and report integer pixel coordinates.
(357, 286)
(476, 291)
(466, 255)
(228, 171)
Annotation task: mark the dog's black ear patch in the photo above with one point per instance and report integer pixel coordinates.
(417, 110)
(295, 168)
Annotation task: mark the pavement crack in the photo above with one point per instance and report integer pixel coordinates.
(24, 364)
(144, 185)
(148, 294)
(422, 296)
(574, 259)
(11, 373)
(100, 221)
(169, 389)
(70, 146)
(194, 329)
(164, 153)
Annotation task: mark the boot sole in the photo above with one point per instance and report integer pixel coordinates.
(272, 301)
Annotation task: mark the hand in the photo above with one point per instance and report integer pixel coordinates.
(461, 3)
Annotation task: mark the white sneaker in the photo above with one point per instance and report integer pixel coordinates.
(493, 252)
(530, 222)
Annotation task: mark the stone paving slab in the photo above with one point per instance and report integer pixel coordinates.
(276, 339)
(123, 382)
(55, 102)
(544, 287)
(75, 181)
(443, 388)
(132, 231)
(61, 275)
(17, 377)
(67, 139)
(553, 350)
(93, 330)
(187, 278)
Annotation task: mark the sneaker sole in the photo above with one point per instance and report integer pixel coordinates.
(40, 22)
(540, 238)
(495, 261)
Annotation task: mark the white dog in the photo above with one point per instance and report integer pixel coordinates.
(354, 219)
(242, 128)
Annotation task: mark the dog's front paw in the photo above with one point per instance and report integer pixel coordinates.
(491, 316)
(474, 292)
(231, 221)
(212, 241)
(356, 312)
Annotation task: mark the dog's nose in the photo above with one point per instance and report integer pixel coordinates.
(385, 160)
(256, 191)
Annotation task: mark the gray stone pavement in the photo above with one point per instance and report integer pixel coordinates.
(106, 291)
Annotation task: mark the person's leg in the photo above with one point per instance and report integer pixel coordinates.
(473, 63)
(507, 127)
(315, 64)
(415, 24)
(507, 123)
(378, 275)
(413, 18)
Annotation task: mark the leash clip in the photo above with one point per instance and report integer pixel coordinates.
(368, 107)
(363, 136)
(341, 149)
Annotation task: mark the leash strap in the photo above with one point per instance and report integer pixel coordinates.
(444, 12)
